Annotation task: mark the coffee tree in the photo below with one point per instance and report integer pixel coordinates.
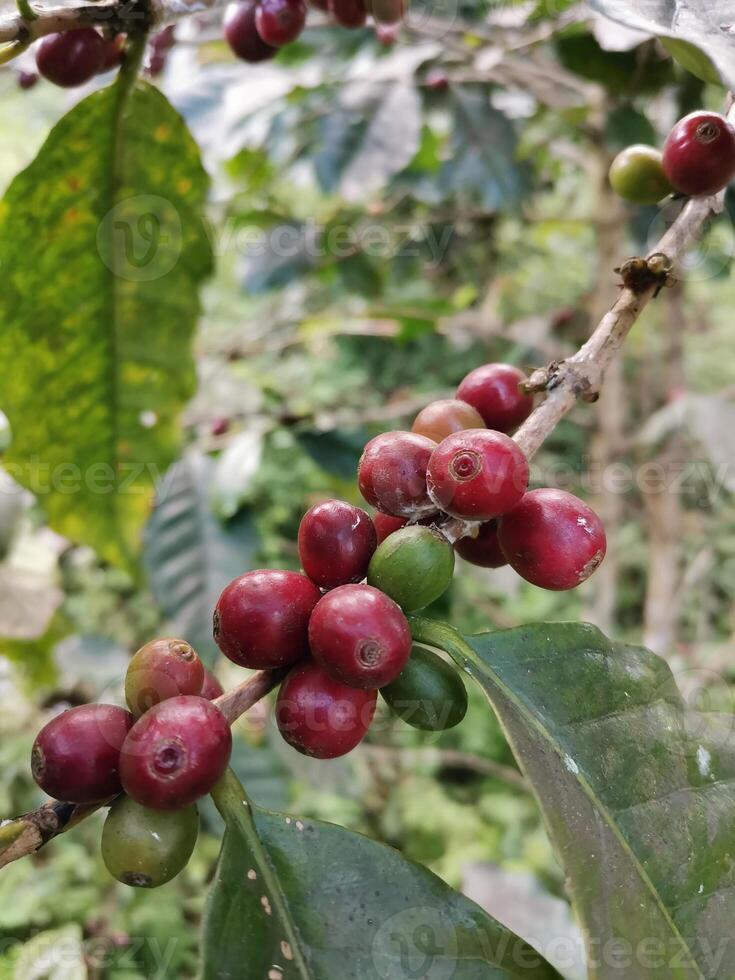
(634, 785)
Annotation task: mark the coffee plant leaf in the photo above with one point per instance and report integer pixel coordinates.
(637, 791)
(297, 898)
(102, 250)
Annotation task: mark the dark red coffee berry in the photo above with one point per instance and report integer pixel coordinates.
(437, 80)
(262, 618)
(76, 756)
(242, 35)
(175, 753)
(211, 688)
(493, 390)
(477, 475)
(336, 543)
(280, 21)
(553, 539)
(27, 79)
(348, 13)
(320, 717)
(699, 154)
(360, 636)
(392, 474)
(114, 52)
(385, 525)
(162, 669)
(443, 417)
(387, 34)
(220, 426)
(483, 550)
(72, 57)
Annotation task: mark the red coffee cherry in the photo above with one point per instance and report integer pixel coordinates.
(477, 475)
(493, 390)
(280, 21)
(175, 753)
(385, 525)
(348, 13)
(76, 756)
(242, 35)
(436, 80)
(72, 57)
(320, 717)
(484, 550)
(553, 539)
(443, 417)
(27, 79)
(392, 474)
(211, 688)
(699, 153)
(162, 669)
(262, 618)
(386, 34)
(336, 543)
(360, 636)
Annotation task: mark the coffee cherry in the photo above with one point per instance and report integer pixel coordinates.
(219, 426)
(320, 4)
(386, 525)
(477, 475)
(76, 756)
(348, 13)
(162, 669)
(320, 717)
(493, 390)
(441, 418)
(359, 636)
(386, 11)
(280, 21)
(146, 848)
(211, 688)
(428, 694)
(699, 153)
(386, 34)
(553, 539)
(27, 79)
(262, 618)
(436, 80)
(414, 566)
(392, 474)
(483, 550)
(242, 35)
(72, 57)
(336, 543)
(175, 753)
(637, 175)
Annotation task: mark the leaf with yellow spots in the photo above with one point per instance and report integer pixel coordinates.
(102, 251)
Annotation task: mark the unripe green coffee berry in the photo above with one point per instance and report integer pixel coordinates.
(429, 693)
(146, 848)
(414, 566)
(637, 175)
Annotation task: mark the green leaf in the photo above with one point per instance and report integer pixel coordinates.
(300, 898)
(102, 250)
(704, 24)
(638, 793)
(189, 554)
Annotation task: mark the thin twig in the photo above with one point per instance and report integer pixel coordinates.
(237, 701)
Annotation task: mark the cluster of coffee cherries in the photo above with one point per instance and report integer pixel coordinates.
(339, 627)
(698, 158)
(153, 761)
(72, 58)
(256, 29)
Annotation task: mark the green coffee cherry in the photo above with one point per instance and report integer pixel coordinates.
(429, 694)
(414, 566)
(637, 175)
(146, 848)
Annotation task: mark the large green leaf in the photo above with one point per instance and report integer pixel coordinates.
(300, 898)
(102, 249)
(705, 24)
(190, 554)
(637, 791)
